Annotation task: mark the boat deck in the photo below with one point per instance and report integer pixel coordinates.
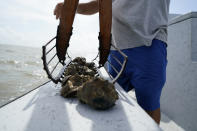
(45, 110)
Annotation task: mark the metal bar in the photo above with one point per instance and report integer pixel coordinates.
(55, 67)
(63, 69)
(116, 59)
(108, 73)
(106, 69)
(46, 67)
(52, 59)
(113, 67)
(95, 57)
(119, 51)
(58, 77)
(68, 55)
(50, 41)
(51, 49)
(23, 94)
(122, 69)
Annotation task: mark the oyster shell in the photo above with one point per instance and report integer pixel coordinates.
(71, 85)
(98, 93)
(80, 60)
(79, 66)
(81, 81)
(77, 73)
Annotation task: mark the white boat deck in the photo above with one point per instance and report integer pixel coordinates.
(45, 110)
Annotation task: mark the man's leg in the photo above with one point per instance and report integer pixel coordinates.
(146, 71)
(150, 76)
(156, 115)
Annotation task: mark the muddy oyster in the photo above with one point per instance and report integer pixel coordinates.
(80, 60)
(71, 85)
(98, 93)
(81, 81)
(76, 74)
(79, 66)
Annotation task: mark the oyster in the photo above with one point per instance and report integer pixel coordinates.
(79, 66)
(98, 93)
(81, 81)
(76, 74)
(71, 85)
(80, 60)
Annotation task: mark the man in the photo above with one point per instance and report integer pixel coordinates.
(139, 29)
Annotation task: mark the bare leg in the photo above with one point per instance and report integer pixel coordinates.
(156, 115)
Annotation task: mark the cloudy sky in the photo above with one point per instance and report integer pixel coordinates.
(31, 22)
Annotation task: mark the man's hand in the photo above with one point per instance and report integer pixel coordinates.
(58, 10)
(83, 8)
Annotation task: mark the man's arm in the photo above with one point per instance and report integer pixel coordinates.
(88, 8)
(83, 8)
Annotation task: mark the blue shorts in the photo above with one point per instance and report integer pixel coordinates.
(145, 72)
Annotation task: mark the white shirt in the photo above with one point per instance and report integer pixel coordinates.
(137, 22)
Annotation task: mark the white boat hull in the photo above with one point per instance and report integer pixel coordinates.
(45, 110)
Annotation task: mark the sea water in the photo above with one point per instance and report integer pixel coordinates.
(21, 69)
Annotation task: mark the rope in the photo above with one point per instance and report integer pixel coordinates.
(24, 94)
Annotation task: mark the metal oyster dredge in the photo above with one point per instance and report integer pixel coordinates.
(57, 62)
